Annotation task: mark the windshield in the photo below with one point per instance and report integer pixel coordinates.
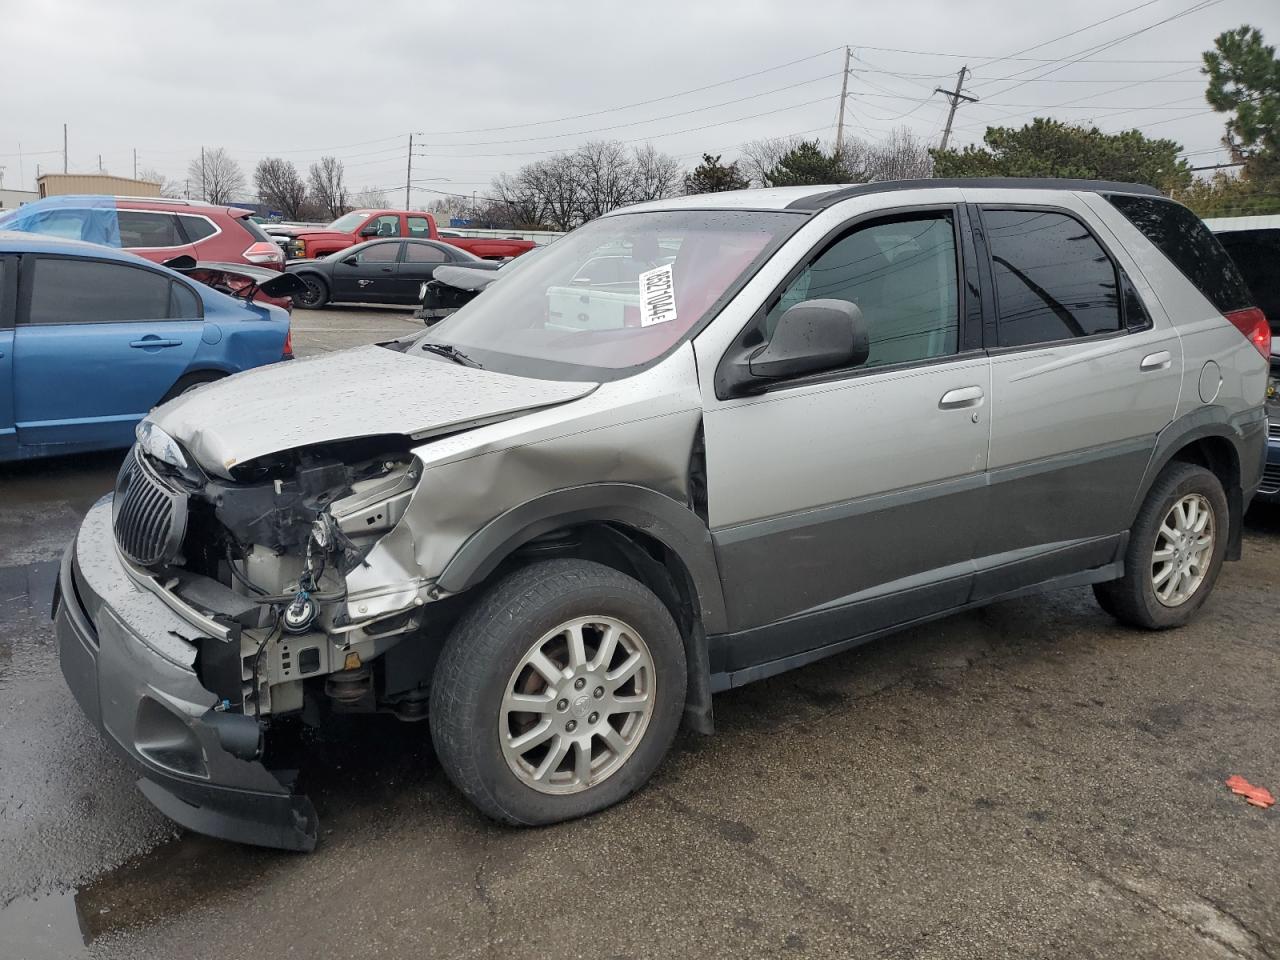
(348, 221)
(614, 294)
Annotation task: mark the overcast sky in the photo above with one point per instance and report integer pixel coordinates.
(491, 85)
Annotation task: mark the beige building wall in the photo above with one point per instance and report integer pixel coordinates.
(61, 184)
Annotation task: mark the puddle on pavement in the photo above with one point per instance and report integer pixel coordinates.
(352, 766)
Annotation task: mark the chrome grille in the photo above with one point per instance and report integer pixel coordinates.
(1270, 479)
(148, 514)
(1273, 430)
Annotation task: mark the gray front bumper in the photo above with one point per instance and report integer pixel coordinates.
(129, 660)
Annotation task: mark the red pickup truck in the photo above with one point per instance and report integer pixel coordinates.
(360, 225)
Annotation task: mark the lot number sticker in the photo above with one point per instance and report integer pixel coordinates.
(657, 296)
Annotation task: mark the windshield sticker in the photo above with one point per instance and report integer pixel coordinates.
(657, 296)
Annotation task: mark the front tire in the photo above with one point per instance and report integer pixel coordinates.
(558, 693)
(316, 295)
(1176, 548)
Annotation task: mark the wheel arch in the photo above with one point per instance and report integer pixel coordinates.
(639, 531)
(1212, 444)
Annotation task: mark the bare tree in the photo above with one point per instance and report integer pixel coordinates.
(902, 156)
(761, 156)
(657, 175)
(556, 180)
(328, 190)
(168, 188)
(280, 187)
(370, 198)
(606, 177)
(216, 175)
(523, 196)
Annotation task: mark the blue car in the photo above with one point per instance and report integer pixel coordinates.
(92, 337)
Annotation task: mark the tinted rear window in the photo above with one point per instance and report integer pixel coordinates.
(1257, 254)
(1189, 246)
(94, 291)
(253, 229)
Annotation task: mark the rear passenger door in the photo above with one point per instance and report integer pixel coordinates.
(1085, 373)
(98, 343)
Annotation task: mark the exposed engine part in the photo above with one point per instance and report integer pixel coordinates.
(300, 614)
(350, 687)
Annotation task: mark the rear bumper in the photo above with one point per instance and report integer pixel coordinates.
(124, 656)
(1269, 488)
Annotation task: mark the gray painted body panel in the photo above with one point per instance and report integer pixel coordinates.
(354, 393)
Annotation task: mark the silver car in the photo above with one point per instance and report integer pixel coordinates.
(555, 524)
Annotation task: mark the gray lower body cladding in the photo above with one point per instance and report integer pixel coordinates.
(143, 695)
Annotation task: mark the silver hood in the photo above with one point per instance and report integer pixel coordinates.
(339, 396)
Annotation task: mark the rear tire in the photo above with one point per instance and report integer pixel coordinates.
(189, 382)
(316, 295)
(534, 731)
(1176, 548)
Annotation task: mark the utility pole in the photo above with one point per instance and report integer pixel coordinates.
(408, 174)
(844, 92)
(64, 148)
(955, 96)
(135, 163)
(99, 163)
(203, 195)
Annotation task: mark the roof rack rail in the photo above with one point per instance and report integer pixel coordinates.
(820, 201)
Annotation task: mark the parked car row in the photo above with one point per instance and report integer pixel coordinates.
(690, 445)
(378, 271)
(351, 228)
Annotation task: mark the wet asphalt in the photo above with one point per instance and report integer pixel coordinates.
(1027, 780)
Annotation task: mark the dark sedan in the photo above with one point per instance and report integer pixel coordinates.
(380, 271)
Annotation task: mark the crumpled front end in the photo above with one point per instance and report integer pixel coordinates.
(133, 663)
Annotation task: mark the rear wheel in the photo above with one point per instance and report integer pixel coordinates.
(558, 694)
(1176, 549)
(315, 296)
(189, 382)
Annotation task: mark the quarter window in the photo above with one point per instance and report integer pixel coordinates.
(141, 229)
(424, 253)
(197, 228)
(901, 274)
(94, 291)
(1053, 280)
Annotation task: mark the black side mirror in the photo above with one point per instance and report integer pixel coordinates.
(811, 337)
(352, 261)
(369, 231)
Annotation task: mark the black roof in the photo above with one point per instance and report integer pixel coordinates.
(820, 201)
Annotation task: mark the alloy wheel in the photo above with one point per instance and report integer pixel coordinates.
(577, 705)
(1183, 550)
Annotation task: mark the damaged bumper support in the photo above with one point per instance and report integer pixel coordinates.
(130, 661)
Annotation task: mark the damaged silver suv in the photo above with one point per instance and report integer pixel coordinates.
(696, 443)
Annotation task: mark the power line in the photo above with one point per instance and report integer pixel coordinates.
(1064, 36)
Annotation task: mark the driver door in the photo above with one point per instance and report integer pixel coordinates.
(367, 274)
(846, 502)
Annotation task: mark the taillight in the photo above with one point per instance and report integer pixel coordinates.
(264, 252)
(287, 352)
(1252, 322)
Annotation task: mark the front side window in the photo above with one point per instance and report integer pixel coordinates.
(1053, 279)
(378, 253)
(94, 291)
(387, 225)
(551, 316)
(901, 274)
(139, 228)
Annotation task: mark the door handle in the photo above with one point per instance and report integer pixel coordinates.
(961, 397)
(1156, 361)
(147, 343)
